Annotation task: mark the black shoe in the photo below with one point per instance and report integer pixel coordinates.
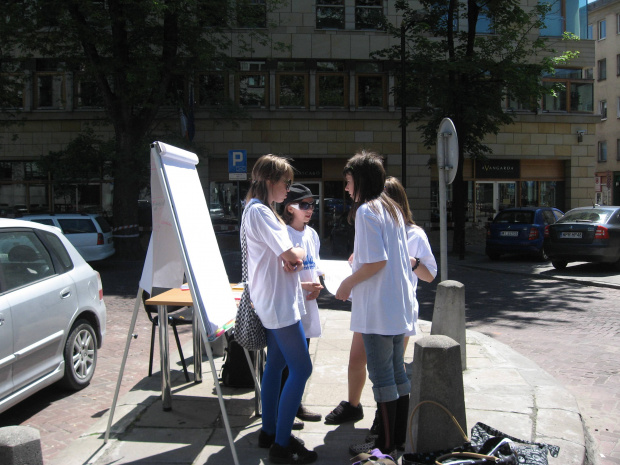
(298, 425)
(265, 440)
(306, 415)
(343, 413)
(293, 454)
(373, 434)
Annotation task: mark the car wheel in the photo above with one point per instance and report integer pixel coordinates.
(542, 255)
(80, 356)
(559, 264)
(494, 256)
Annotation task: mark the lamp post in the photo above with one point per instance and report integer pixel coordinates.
(403, 106)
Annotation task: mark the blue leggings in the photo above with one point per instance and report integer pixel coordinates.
(285, 347)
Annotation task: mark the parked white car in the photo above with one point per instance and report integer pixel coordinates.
(52, 313)
(90, 234)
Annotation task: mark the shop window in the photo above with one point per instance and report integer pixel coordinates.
(602, 69)
(330, 14)
(529, 193)
(212, 89)
(565, 16)
(332, 85)
(602, 29)
(291, 85)
(251, 13)
(603, 109)
(602, 151)
(369, 14)
(252, 84)
(551, 194)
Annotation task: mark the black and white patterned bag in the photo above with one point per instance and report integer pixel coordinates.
(249, 331)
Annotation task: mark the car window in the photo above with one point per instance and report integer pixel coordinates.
(23, 258)
(548, 217)
(59, 250)
(558, 214)
(103, 224)
(77, 225)
(45, 221)
(593, 215)
(515, 217)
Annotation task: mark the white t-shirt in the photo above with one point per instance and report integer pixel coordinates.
(308, 239)
(382, 304)
(417, 242)
(276, 294)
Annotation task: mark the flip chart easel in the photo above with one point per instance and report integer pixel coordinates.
(183, 243)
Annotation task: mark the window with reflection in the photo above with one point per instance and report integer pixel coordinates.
(370, 86)
(570, 91)
(602, 29)
(291, 85)
(602, 69)
(212, 89)
(369, 14)
(602, 150)
(252, 84)
(603, 109)
(332, 85)
(330, 14)
(251, 13)
(566, 16)
(484, 25)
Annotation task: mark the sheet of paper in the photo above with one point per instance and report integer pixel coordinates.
(335, 271)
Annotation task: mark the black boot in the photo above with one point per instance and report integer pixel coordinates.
(387, 414)
(401, 423)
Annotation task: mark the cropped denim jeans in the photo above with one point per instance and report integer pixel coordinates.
(386, 366)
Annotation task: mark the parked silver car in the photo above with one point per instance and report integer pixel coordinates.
(91, 234)
(52, 313)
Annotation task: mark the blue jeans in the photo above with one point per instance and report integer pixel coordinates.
(285, 347)
(385, 357)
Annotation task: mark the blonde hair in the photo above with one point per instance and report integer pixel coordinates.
(268, 168)
(395, 190)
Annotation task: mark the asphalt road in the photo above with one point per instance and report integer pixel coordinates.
(571, 330)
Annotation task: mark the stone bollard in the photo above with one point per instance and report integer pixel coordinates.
(20, 445)
(449, 314)
(437, 376)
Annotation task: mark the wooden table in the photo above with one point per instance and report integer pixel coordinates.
(183, 298)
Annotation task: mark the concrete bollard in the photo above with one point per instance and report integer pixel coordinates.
(437, 376)
(20, 445)
(449, 314)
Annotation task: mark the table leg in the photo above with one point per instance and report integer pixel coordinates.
(197, 338)
(164, 355)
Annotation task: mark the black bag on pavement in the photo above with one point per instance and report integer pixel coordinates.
(235, 372)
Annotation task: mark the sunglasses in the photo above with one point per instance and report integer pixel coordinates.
(303, 206)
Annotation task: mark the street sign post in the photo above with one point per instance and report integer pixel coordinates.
(237, 165)
(447, 163)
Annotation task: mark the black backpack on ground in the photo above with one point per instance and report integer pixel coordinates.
(235, 371)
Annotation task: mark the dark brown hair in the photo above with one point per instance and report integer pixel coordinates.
(366, 169)
(395, 190)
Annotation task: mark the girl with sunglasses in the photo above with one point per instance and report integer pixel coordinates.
(275, 288)
(298, 208)
(381, 291)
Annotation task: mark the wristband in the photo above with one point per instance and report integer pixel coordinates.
(417, 263)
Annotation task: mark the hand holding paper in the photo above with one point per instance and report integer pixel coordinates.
(335, 271)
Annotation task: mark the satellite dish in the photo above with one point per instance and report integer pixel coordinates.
(447, 149)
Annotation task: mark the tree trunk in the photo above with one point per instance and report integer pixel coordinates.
(127, 171)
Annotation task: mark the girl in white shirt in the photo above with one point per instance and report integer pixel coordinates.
(381, 290)
(275, 289)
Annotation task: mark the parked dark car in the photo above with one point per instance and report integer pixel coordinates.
(585, 234)
(520, 231)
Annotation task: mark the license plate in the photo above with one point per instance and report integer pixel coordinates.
(571, 235)
(509, 233)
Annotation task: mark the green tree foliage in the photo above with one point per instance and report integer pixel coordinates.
(132, 49)
(450, 71)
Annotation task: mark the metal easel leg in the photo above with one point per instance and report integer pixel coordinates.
(255, 368)
(122, 369)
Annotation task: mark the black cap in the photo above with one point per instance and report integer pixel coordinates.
(296, 193)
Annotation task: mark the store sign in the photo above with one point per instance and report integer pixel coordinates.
(498, 169)
(308, 168)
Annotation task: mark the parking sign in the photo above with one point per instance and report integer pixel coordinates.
(237, 165)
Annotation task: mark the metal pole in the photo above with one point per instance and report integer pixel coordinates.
(443, 227)
(403, 108)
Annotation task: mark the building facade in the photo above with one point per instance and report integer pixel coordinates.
(604, 29)
(318, 101)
